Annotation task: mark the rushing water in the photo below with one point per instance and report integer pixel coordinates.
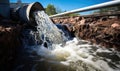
(47, 51)
(47, 30)
(79, 55)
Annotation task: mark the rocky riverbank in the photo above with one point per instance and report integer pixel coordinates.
(100, 30)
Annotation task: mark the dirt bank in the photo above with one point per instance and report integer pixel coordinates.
(9, 43)
(100, 30)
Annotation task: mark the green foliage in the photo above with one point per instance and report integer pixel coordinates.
(50, 10)
(74, 14)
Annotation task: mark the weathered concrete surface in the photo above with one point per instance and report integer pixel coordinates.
(9, 43)
(104, 31)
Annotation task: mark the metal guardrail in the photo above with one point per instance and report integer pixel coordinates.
(98, 6)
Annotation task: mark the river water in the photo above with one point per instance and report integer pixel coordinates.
(47, 49)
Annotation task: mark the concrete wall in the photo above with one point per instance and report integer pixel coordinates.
(17, 5)
(4, 8)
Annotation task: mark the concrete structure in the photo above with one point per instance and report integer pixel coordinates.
(4, 8)
(26, 12)
(17, 4)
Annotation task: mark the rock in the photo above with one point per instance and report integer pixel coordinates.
(114, 25)
(82, 22)
(65, 21)
(100, 30)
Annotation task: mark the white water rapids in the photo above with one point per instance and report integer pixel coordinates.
(81, 56)
(73, 55)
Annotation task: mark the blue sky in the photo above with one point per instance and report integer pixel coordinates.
(66, 4)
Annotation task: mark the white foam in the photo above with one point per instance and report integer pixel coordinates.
(72, 52)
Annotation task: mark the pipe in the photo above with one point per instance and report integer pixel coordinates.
(4, 8)
(26, 12)
(98, 6)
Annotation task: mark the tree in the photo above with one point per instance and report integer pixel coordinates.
(58, 10)
(51, 10)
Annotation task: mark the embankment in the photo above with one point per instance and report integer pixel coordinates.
(9, 43)
(100, 30)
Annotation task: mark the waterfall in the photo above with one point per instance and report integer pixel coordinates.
(48, 31)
